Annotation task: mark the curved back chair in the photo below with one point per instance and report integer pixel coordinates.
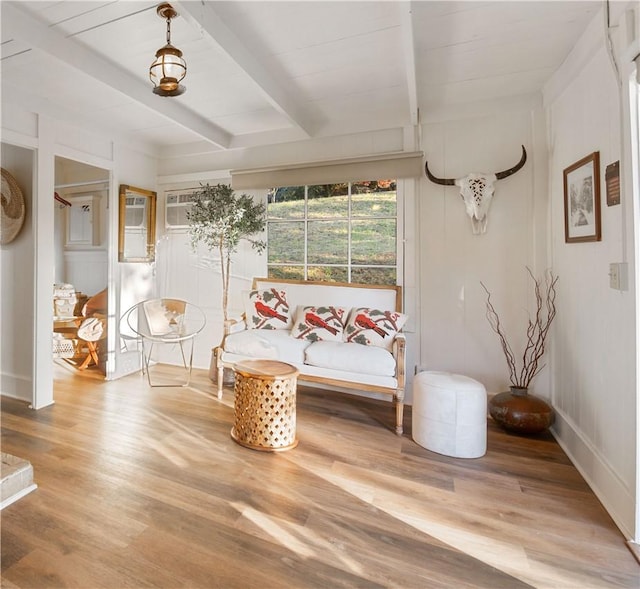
(165, 321)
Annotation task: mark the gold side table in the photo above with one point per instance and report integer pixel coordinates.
(265, 405)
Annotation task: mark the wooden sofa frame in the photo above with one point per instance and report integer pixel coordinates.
(398, 351)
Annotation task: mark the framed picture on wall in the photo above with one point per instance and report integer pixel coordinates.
(582, 200)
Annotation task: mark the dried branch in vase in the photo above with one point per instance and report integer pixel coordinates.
(537, 331)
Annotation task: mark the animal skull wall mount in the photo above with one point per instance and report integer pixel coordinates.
(476, 190)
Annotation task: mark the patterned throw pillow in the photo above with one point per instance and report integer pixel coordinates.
(268, 309)
(373, 327)
(319, 323)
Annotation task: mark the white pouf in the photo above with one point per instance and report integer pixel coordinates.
(449, 414)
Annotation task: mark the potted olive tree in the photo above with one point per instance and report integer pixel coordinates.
(220, 220)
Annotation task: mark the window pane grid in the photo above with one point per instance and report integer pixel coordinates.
(336, 240)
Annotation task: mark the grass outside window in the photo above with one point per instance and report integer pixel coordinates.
(334, 233)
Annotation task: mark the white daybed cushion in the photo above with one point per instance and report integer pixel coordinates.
(389, 382)
(351, 378)
(351, 357)
(273, 344)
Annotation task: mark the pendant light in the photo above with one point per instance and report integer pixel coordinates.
(168, 69)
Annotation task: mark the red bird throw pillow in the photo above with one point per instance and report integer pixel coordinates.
(268, 309)
(373, 327)
(319, 323)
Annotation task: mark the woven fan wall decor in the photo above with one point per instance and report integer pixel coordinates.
(12, 209)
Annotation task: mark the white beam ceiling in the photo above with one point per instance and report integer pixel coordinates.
(204, 16)
(273, 72)
(21, 25)
(409, 50)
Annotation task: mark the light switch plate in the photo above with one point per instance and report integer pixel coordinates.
(618, 275)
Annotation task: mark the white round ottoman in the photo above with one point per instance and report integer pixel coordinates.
(449, 414)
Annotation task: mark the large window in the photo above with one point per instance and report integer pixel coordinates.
(334, 232)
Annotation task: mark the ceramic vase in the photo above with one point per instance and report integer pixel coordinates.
(519, 412)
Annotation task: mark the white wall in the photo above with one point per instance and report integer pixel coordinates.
(85, 266)
(17, 286)
(200, 165)
(194, 276)
(130, 282)
(86, 270)
(445, 261)
(593, 356)
(455, 335)
(124, 163)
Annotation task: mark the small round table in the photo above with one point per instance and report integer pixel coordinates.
(265, 405)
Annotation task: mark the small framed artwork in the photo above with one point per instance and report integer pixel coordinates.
(582, 200)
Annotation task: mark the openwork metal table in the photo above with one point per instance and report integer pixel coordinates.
(265, 405)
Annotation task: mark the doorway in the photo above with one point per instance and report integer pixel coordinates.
(81, 260)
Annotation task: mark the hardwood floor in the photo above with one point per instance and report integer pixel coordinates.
(141, 487)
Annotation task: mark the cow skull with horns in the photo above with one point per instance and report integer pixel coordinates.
(477, 190)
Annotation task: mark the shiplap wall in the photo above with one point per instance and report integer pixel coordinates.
(594, 379)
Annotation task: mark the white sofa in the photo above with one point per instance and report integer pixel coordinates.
(340, 364)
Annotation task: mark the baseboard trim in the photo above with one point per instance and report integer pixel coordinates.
(16, 386)
(635, 549)
(604, 481)
(19, 495)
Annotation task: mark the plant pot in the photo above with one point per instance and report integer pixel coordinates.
(519, 412)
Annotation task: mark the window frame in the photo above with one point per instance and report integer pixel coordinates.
(349, 218)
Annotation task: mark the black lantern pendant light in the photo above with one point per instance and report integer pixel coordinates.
(168, 69)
